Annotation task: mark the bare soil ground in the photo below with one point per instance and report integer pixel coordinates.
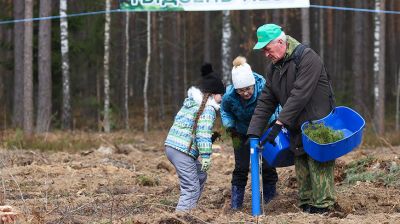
(135, 183)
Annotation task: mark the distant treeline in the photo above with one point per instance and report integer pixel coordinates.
(360, 50)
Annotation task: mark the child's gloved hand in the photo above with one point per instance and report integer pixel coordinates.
(205, 164)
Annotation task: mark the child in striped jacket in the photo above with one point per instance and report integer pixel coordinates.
(190, 137)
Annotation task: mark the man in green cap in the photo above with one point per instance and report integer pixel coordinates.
(297, 80)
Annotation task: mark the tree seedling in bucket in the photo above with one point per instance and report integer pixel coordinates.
(322, 134)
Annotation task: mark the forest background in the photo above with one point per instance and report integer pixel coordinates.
(130, 70)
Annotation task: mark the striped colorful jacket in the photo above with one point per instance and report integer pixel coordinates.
(180, 134)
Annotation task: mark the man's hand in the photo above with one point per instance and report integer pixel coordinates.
(215, 135)
(205, 164)
(276, 128)
(247, 142)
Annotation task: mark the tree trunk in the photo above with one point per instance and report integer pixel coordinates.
(8, 93)
(161, 62)
(206, 35)
(398, 101)
(193, 72)
(28, 69)
(98, 97)
(180, 19)
(3, 78)
(285, 18)
(321, 35)
(43, 118)
(146, 78)
(126, 71)
(337, 65)
(277, 16)
(379, 68)
(66, 107)
(358, 58)
(226, 47)
(185, 75)
(106, 120)
(329, 36)
(137, 57)
(18, 118)
(392, 50)
(305, 26)
(368, 62)
(176, 55)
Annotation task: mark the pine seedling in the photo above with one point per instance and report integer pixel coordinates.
(322, 134)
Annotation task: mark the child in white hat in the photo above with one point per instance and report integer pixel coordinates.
(237, 108)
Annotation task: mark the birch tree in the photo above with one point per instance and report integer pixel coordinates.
(226, 46)
(126, 71)
(146, 77)
(106, 120)
(66, 104)
(379, 67)
(28, 69)
(18, 103)
(43, 118)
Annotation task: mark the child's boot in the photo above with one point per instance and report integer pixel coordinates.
(237, 197)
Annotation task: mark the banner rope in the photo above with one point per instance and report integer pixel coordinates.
(2, 22)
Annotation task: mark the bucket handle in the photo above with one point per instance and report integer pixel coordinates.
(311, 122)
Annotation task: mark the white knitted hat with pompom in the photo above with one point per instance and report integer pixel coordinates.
(242, 75)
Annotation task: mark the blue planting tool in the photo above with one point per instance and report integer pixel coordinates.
(255, 177)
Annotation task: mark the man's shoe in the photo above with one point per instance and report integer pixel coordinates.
(316, 210)
(305, 208)
(269, 192)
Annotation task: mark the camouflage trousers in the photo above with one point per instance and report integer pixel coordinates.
(315, 181)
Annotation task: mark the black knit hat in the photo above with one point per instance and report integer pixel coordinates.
(206, 69)
(210, 81)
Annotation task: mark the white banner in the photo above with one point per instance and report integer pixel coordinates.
(209, 5)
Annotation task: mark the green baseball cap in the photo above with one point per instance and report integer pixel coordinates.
(266, 33)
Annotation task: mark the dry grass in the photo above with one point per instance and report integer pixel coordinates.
(71, 141)
(83, 140)
(371, 139)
